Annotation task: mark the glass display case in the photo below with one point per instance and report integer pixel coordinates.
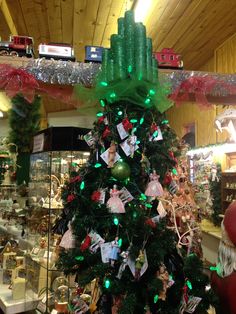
(56, 152)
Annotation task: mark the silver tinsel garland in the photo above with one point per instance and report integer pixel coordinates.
(71, 73)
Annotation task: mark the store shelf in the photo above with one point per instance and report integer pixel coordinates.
(10, 306)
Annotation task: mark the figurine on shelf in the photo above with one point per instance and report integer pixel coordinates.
(154, 188)
(115, 250)
(111, 155)
(68, 240)
(114, 202)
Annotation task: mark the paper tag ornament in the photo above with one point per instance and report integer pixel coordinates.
(159, 136)
(127, 147)
(125, 196)
(161, 210)
(90, 139)
(96, 241)
(138, 266)
(121, 130)
(190, 306)
(106, 251)
(105, 156)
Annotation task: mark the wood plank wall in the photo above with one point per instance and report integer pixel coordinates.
(223, 61)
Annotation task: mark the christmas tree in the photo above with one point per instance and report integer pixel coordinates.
(118, 204)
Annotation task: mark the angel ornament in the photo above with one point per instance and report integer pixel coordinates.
(132, 144)
(114, 202)
(154, 188)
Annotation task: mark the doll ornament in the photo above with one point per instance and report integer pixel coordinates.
(154, 188)
(115, 250)
(111, 155)
(115, 203)
(68, 240)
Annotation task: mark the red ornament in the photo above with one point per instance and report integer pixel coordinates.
(154, 127)
(85, 244)
(167, 179)
(70, 198)
(127, 125)
(185, 295)
(96, 196)
(75, 179)
(151, 223)
(101, 120)
(106, 132)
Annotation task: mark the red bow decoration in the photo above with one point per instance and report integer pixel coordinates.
(96, 196)
(85, 244)
(70, 198)
(106, 132)
(127, 125)
(200, 87)
(15, 81)
(75, 179)
(101, 120)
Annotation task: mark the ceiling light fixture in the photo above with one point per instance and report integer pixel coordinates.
(141, 10)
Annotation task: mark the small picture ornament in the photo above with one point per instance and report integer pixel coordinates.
(121, 130)
(129, 146)
(110, 157)
(138, 266)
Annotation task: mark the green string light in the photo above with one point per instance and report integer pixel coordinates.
(103, 83)
(141, 120)
(189, 285)
(97, 165)
(143, 197)
(119, 113)
(99, 114)
(82, 185)
(134, 214)
(79, 258)
(102, 103)
(112, 95)
(147, 101)
(152, 92)
(165, 122)
(155, 134)
(116, 221)
(174, 171)
(120, 242)
(107, 283)
(130, 68)
(137, 142)
(155, 299)
(133, 120)
(148, 205)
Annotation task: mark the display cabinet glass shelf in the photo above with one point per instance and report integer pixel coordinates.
(56, 152)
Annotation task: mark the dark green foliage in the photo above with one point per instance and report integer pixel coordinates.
(24, 119)
(159, 242)
(215, 188)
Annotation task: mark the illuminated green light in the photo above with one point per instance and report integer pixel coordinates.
(152, 92)
(82, 185)
(112, 95)
(137, 142)
(148, 205)
(155, 134)
(130, 68)
(107, 283)
(133, 120)
(189, 285)
(116, 221)
(170, 277)
(120, 113)
(134, 214)
(79, 258)
(155, 299)
(141, 120)
(102, 103)
(97, 165)
(103, 83)
(165, 122)
(99, 114)
(134, 130)
(120, 242)
(147, 101)
(174, 171)
(143, 197)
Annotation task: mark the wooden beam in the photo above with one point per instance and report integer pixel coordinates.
(5, 10)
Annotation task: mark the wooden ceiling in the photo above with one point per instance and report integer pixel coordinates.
(194, 28)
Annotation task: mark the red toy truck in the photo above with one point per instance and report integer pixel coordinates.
(17, 46)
